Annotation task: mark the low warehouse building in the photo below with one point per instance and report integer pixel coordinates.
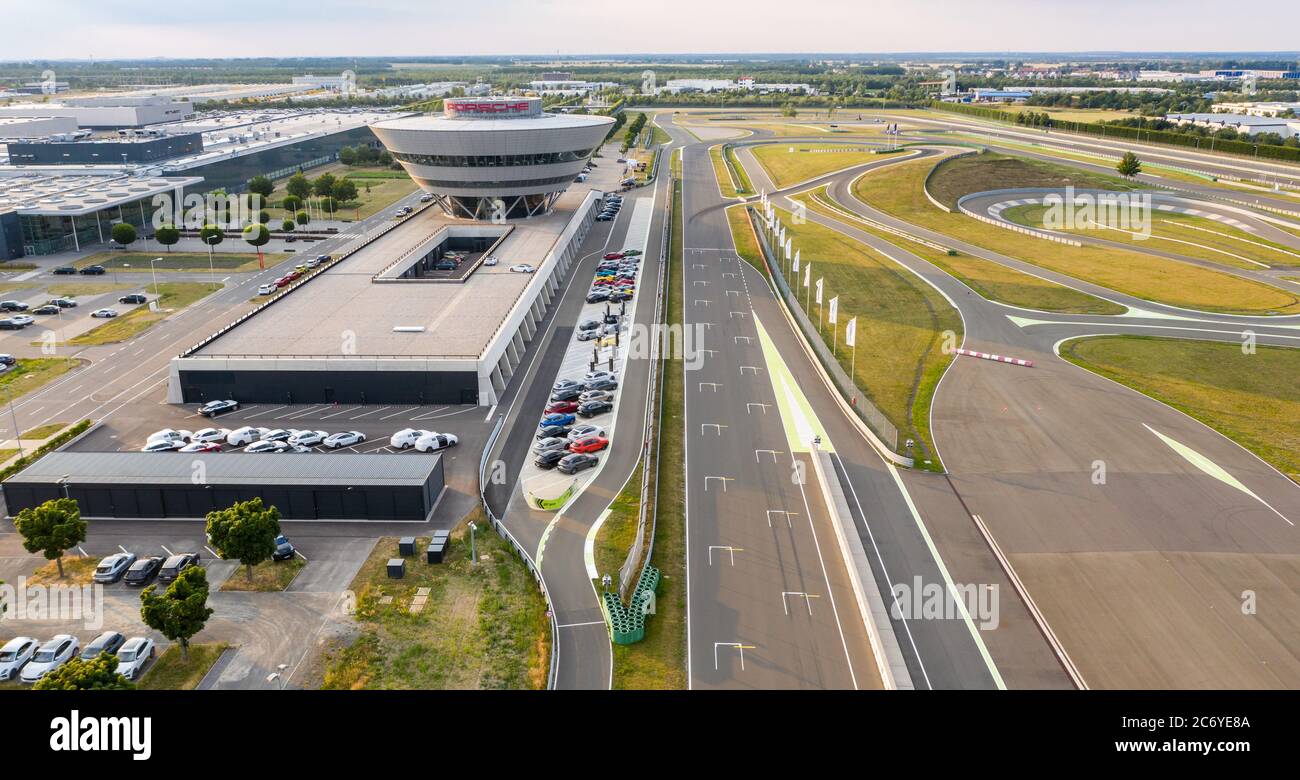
(170, 485)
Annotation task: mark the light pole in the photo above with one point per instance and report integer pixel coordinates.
(154, 271)
(472, 555)
(63, 484)
(18, 435)
(278, 676)
(211, 269)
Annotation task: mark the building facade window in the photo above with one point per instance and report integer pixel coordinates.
(492, 160)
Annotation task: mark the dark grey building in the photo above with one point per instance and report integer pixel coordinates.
(106, 152)
(307, 486)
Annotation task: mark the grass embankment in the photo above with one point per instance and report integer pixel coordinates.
(1252, 399)
(901, 325)
(482, 627)
(77, 570)
(960, 176)
(170, 672)
(43, 431)
(789, 164)
(1183, 234)
(30, 374)
(898, 190)
(172, 297)
(134, 262)
(742, 235)
(268, 576)
(386, 187)
(990, 280)
(732, 179)
(659, 660)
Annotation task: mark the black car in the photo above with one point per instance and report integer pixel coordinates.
(603, 217)
(445, 265)
(618, 296)
(173, 566)
(572, 464)
(588, 324)
(604, 383)
(593, 408)
(143, 571)
(107, 642)
(558, 431)
(93, 270)
(549, 458)
(133, 298)
(565, 384)
(567, 394)
(13, 306)
(283, 549)
(597, 295)
(214, 408)
(48, 308)
(7, 360)
(62, 303)
(64, 270)
(8, 324)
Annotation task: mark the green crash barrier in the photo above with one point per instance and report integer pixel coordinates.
(552, 504)
(627, 624)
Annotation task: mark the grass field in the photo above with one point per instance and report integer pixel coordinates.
(32, 373)
(1252, 399)
(268, 576)
(789, 164)
(1183, 234)
(170, 672)
(729, 170)
(658, 662)
(77, 570)
(990, 280)
(901, 322)
(742, 235)
(173, 296)
(618, 532)
(897, 189)
(387, 186)
(236, 262)
(960, 176)
(482, 627)
(43, 431)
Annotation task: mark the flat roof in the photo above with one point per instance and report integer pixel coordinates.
(231, 468)
(52, 193)
(466, 124)
(459, 320)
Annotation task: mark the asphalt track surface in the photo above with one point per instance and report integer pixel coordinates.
(1151, 564)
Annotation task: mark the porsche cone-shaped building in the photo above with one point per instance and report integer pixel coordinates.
(494, 158)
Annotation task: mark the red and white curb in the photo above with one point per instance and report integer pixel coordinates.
(995, 358)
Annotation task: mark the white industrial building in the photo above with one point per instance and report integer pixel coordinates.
(1242, 123)
(104, 112)
(13, 128)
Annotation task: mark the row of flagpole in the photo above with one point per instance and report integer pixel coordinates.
(786, 253)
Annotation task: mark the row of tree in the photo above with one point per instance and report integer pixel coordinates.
(245, 532)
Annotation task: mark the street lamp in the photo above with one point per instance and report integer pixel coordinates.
(211, 270)
(63, 483)
(154, 271)
(472, 556)
(278, 677)
(18, 435)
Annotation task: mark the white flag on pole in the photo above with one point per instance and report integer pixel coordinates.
(851, 332)
(835, 307)
(789, 246)
(796, 261)
(819, 290)
(787, 251)
(807, 274)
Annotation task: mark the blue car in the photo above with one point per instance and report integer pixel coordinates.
(557, 419)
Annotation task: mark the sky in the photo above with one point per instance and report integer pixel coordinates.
(116, 29)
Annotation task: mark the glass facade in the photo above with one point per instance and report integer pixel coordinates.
(446, 184)
(492, 160)
(47, 235)
(232, 174)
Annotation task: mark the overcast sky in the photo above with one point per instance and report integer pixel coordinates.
(109, 29)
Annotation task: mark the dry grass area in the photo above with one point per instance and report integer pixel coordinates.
(268, 576)
(77, 570)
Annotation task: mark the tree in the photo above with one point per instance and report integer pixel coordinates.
(260, 185)
(328, 205)
(292, 203)
(97, 674)
(167, 235)
(212, 235)
(288, 225)
(51, 529)
(788, 110)
(298, 186)
(323, 185)
(181, 611)
(344, 191)
(123, 234)
(246, 531)
(257, 234)
(302, 217)
(347, 156)
(1129, 165)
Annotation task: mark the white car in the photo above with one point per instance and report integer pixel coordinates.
(436, 441)
(267, 446)
(22, 319)
(276, 434)
(50, 656)
(492, 260)
(168, 434)
(592, 376)
(163, 445)
(585, 430)
(104, 313)
(134, 655)
(407, 437)
(308, 438)
(211, 435)
(344, 439)
(14, 654)
(522, 268)
(246, 435)
(266, 289)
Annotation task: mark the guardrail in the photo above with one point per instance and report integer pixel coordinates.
(925, 184)
(504, 533)
(835, 207)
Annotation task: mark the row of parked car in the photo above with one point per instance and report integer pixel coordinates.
(615, 280)
(610, 208)
(19, 317)
(256, 440)
(298, 272)
(28, 659)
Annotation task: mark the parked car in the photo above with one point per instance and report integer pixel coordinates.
(15, 653)
(589, 324)
(7, 359)
(308, 438)
(585, 430)
(112, 568)
(564, 384)
(548, 458)
(567, 394)
(214, 408)
(445, 265)
(93, 270)
(284, 550)
(344, 439)
(556, 419)
(597, 295)
(604, 217)
(163, 445)
(426, 198)
(572, 464)
(210, 435)
(263, 447)
(522, 268)
(246, 435)
(13, 306)
(593, 408)
(143, 571)
(134, 655)
(589, 444)
(588, 335)
(7, 323)
(276, 434)
(407, 437)
(491, 260)
(64, 270)
(549, 431)
(23, 320)
(63, 302)
(550, 443)
(266, 289)
(201, 446)
(595, 395)
(107, 642)
(631, 252)
(561, 406)
(170, 434)
(133, 298)
(432, 442)
(175, 564)
(603, 383)
(50, 656)
(48, 308)
(104, 314)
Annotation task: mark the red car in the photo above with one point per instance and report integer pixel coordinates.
(589, 444)
(603, 282)
(562, 407)
(614, 256)
(283, 281)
